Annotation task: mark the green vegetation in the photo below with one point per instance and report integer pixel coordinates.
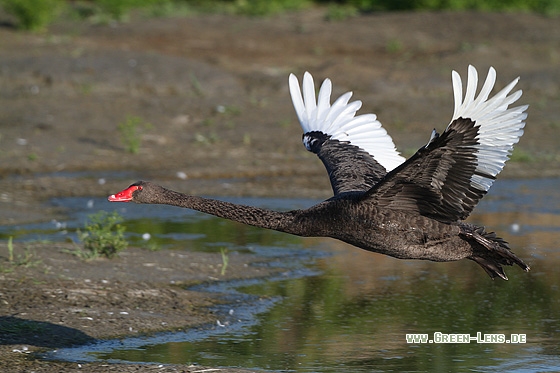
(32, 15)
(10, 249)
(102, 236)
(37, 14)
(195, 84)
(340, 12)
(225, 260)
(131, 132)
(540, 6)
(27, 259)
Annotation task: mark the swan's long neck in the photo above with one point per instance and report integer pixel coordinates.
(258, 217)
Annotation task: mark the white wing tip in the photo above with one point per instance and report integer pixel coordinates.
(477, 107)
(339, 120)
(499, 127)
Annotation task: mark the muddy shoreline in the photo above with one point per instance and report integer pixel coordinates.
(214, 90)
(61, 301)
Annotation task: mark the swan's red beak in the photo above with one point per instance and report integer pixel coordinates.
(123, 196)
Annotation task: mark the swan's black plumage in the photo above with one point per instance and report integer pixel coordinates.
(408, 209)
(435, 182)
(349, 167)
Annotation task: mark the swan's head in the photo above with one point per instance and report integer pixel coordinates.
(134, 193)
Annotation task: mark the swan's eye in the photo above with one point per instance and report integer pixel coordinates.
(308, 142)
(314, 140)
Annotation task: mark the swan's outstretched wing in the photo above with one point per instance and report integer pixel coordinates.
(447, 178)
(356, 151)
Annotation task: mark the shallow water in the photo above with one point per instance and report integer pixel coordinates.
(340, 308)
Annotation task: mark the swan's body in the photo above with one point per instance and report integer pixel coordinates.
(408, 209)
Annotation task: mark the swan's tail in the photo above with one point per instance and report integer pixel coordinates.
(491, 252)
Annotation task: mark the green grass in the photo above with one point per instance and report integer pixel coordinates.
(10, 249)
(195, 84)
(225, 260)
(27, 259)
(131, 132)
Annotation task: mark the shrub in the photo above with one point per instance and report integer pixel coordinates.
(103, 236)
(32, 14)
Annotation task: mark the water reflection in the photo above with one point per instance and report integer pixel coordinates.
(353, 311)
(334, 321)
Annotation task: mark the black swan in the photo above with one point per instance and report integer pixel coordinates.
(408, 209)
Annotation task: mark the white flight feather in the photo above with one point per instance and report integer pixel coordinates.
(499, 128)
(340, 122)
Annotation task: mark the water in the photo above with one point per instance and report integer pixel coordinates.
(338, 308)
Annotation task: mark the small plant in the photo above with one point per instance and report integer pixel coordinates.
(26, 260)
(394, 46)
(10, 250)
(102, 236)
(225, 260)
(131, 132)
(247, 139)
(196, 86)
